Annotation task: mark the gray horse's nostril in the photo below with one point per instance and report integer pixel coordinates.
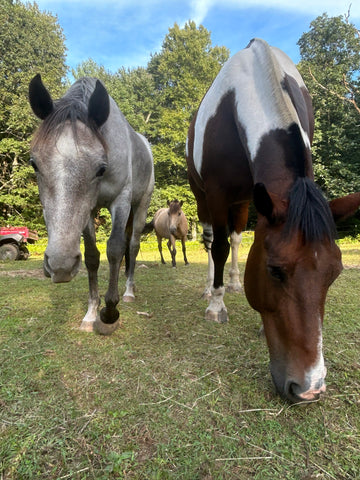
(46, 267)
(61, 269)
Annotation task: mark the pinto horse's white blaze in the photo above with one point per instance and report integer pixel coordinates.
(315, 376)
(254, 74)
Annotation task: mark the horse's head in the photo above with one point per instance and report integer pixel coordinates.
(69, 158)
(175, 215)
(291, 265)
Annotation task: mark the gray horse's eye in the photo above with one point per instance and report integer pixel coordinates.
(101, 170)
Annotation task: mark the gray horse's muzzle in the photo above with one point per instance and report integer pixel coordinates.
(61, 269)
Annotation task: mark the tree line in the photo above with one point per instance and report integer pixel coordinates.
(159, 101)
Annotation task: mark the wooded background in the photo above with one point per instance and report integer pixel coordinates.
(160, 100)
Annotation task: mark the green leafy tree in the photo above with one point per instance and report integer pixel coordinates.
(132, 90)
(182, 73)
(30, 42)
(330, 64)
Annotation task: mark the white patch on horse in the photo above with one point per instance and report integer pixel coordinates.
(234, 273)
(217, 311)
(315, 375)
(255, 75)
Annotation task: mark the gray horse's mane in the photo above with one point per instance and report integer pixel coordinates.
(72, 107)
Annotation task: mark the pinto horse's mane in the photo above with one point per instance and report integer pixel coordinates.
(309, 212)
(72, 107)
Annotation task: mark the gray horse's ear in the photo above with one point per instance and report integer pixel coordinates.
(181, 203)
(40, 99)
(99, 105)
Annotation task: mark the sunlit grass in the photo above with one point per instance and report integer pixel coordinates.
(167, 396)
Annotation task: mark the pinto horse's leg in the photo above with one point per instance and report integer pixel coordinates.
(172, 249)
(92, 261)
(208, 239)
(220, 248)
(234, 285)
(116, 246)
(238, 218)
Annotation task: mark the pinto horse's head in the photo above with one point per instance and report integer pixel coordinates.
(291, 265)
(69, 158)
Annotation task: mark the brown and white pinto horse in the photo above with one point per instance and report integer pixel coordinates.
(250, 140)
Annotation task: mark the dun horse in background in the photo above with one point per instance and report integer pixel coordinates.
(86, 156)
(250, 140)
(170, 223)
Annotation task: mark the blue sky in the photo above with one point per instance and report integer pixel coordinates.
(124, 33)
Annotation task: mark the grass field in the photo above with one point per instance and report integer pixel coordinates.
(168, 395)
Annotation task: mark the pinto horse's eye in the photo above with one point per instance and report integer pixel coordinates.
(33, 164)
(277, 272)
(101, 170)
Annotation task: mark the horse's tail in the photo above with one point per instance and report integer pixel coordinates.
(149, 227)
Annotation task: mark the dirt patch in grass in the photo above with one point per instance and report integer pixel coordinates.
(39, 274)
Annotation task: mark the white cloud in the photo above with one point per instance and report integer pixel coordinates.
(200, 8)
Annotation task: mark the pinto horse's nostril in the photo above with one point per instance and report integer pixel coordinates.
(295, 393)
(290, 389)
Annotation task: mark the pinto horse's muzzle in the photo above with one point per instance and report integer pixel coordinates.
(296, 391)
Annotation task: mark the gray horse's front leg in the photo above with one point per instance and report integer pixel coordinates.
(138, 222)
(116, 245)
(92, 261)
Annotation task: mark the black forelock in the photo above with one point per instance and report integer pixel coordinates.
(309, 212)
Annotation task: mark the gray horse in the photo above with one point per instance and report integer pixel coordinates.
(87, 156)
(172, 224)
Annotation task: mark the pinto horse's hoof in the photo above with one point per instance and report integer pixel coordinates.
(105, 328)
(234, 288)
(219, 317)
(128, 298)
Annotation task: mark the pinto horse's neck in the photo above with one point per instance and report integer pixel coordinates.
(282, 157)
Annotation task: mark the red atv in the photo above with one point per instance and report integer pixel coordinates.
(13, 242)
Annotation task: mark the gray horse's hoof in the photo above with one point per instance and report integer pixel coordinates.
(105, 328)
(218, 317)
(87, 326)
